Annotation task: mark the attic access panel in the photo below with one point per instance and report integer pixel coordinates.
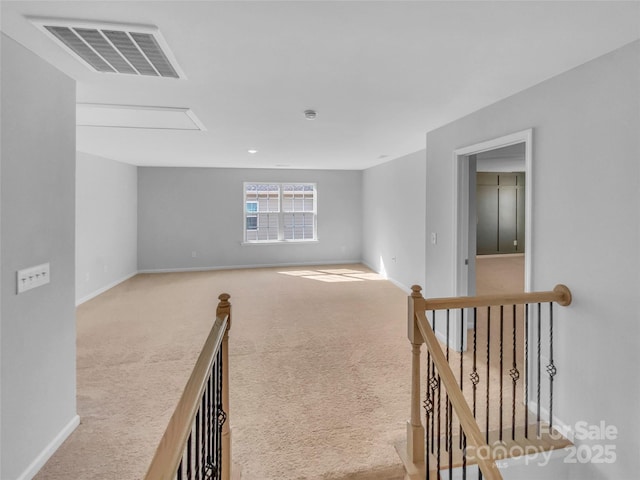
(114, 48)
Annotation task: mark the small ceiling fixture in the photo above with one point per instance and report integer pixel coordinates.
(113, 48)
(252, 151)
(310, 114)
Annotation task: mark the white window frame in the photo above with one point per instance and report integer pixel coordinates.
(280, 214)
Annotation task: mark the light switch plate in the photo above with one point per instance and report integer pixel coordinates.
(32, 277)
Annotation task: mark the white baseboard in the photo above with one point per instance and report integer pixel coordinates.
(236, 267)
(49, 450)
(387, 277)
(104, 289)
(402, 287)
(228, 267)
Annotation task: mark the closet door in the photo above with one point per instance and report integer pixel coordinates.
(507, 213)
(500, 213)
(487, 213)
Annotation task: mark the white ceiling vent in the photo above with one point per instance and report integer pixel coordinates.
(114, 48)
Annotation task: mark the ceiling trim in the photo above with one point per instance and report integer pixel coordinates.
(135, 116)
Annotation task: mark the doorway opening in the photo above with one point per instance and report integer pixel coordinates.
(500, 220)
(465, 235)
(465, 209)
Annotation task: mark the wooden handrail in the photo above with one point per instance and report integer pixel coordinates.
(560, 294)
(171, 447)
(467, 421)
(420, 331)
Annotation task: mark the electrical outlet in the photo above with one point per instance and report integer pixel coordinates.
(32, 277)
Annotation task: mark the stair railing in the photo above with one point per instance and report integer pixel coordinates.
(447, 410)
(197, 441)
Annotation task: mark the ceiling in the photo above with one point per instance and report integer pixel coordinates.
(379, 73)
(504, 159)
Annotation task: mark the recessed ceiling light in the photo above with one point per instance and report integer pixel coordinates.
(252, 151)
(310, 114)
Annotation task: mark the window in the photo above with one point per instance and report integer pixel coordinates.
(279, 212)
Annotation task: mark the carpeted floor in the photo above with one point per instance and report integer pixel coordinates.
(320, 372)
(499, 274)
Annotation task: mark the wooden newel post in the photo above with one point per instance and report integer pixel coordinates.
(224, 308)
(415, 429)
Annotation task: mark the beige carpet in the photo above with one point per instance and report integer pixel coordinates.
(320, 372)
(497, 274)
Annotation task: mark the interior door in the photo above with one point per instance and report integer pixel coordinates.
(501, 219)
(487, 206)
(507, 213)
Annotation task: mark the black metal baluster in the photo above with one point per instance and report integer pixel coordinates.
(207, 458)
(538, 370)
(488, 370)
(428, 407)
(197, 447)
(526, 370)
(221, 416)
(214, 420)
(214, 417)
(464, 456)
(435, 386)
(501, 368)
(463, 331)
(203, 433)
(551, 368)
(514, 377)
(446, 421)
(475, 378)
(210, 432)
(438, 433)
(450, 438)
(189, 453)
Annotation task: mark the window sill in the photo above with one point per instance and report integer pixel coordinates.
(279, 242)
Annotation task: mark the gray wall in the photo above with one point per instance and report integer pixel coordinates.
(185, 210)
(393, 199)
(106, 224)
(37, 211)
(586, 231)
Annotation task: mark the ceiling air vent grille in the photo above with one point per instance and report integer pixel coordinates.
(125, 49)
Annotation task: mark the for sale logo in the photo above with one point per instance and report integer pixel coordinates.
(594, 443)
